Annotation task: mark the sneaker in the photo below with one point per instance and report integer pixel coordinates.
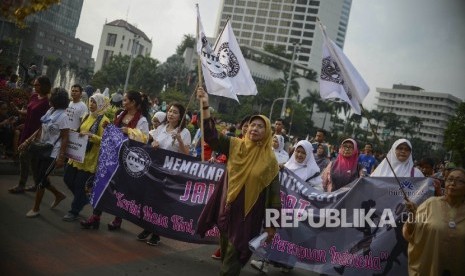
(154, 240)
(32, 214)
(70, 217)
(261, 266)
(143, 235)
(217, 254)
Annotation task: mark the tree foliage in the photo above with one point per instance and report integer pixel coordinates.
(454, 135)
(187, 42)
(143, 76)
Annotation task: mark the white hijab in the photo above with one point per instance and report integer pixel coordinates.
(307, 168)
(161, 116)
(402, 169)
(281, 155)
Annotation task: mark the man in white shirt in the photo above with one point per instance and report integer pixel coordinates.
(76, 109)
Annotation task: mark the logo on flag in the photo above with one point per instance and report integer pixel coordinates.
(330, 71)
(224, 68)
(339, 78)
(224, 64)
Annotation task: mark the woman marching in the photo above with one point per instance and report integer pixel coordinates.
(250, 186)
(302, 163)
(344, 169)
(400, 156)
(173, 136)
(54, 132)
(436, 235)
(133, 123)
(77, 174)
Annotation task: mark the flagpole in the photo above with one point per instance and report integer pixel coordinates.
(351, 87)
(387, 159)
(219, 35)
(334, 53)
(200, 84)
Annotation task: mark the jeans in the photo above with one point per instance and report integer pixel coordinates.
(75, 180)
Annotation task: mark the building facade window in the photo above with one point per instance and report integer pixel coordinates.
(111, 39)
(107, 54)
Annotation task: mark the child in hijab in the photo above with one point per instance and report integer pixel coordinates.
(344, 169)
(278, 147)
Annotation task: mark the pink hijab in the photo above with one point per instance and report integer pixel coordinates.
(345, 169)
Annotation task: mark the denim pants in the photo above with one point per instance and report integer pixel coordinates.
(76, 179)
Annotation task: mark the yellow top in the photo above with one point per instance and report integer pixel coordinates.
(434, 245)
(252, 164)
(91, 158)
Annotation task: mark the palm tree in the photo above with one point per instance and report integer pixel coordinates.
(415, 124)
(326, 107)
(295, 87)
(407, 130)
(377, 116)
(310, 101)
(393, 122)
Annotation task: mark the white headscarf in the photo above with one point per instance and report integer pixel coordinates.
(402, 169)
(307, 168)
(281, 155)
(101, 102)
(160, 115)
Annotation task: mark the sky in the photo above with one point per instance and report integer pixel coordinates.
(413, 42)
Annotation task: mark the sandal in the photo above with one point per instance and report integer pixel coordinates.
(16, 190)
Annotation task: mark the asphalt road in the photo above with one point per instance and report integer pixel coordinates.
(47, 245)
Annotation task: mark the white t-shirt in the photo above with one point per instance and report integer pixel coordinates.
(76, 112)
(165, 139)
(52, 124)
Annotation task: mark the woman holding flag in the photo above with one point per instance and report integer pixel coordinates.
(400, 156)
(250, 186)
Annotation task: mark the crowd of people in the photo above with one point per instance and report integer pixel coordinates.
(253, 150)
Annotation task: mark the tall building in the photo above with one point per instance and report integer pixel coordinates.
(434, 109)
(50, 34)
(62, 17)
(257, 23)
(121, 38)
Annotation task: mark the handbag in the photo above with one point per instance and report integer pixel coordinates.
(40, 150)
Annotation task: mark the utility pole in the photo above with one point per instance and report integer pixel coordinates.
(133, 51)
(288, 85)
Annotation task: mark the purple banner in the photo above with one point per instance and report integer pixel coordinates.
(159, 190)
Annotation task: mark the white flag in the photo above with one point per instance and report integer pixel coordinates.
(339, 78)
(224, 68)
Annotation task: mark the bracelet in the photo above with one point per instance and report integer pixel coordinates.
(206, 107)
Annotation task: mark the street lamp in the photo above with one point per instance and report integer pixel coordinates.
(288, 85)
(272, 105)
(133, 51)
